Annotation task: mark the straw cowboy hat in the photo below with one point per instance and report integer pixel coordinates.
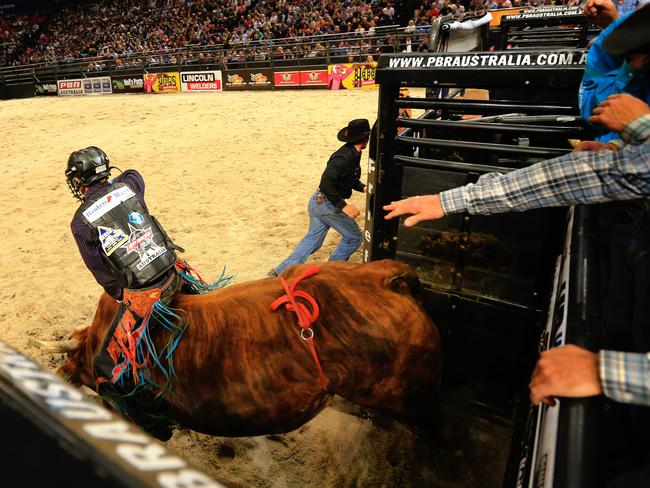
(631, 34)
(356, 130)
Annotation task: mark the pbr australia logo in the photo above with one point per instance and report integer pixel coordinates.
(70, 85)
(287, 77)
(141, 241)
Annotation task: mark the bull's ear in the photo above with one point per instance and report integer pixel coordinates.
(406, 283)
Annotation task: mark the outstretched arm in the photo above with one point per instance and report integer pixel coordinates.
(582, 177)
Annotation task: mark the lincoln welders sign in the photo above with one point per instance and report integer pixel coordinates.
(201, 81)
(486, 60)
(120, 449)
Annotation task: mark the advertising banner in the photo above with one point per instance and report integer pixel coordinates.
(45, 89)
(97, 85)
(286, 79)
(501, 59)
(162, 82)
(350, 76)
(235, 80)
(315, 77)
(246, 79)
(295, 79)
(128, 85)
(545, 13)
(69, 87)
(201, 81)
(260, 78)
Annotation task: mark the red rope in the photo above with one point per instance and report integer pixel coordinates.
(306, 317)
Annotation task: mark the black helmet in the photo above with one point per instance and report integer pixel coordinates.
(86, 166)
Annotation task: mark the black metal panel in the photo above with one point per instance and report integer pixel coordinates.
(73, 439)
(579, 433)
(487, 280)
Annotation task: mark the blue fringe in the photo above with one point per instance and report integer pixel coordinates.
(196, 286)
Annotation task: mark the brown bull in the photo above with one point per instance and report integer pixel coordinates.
(243, 369)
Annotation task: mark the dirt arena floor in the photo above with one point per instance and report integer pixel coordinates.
(229, 176)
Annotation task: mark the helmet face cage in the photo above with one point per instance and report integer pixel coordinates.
(84, 168)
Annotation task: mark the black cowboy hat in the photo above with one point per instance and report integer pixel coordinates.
(356, 130)
(631, 34)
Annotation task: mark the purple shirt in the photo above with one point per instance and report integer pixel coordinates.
(88, 240)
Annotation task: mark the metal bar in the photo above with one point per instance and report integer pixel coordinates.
(548, 152)
(481, 105)
(481, 126)
(411, 161)
(579, 429)
(527, 119)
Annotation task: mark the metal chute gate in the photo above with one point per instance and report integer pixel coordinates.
(546, 28)
(489, 281)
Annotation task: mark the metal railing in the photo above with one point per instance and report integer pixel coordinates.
(271, 53)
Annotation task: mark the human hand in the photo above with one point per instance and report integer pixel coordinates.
(600, 12)
(351, 211)
(618, 111)
(565, 371)
(595, 146)
(425, 207)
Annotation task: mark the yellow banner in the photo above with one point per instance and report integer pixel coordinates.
(351, 75)
(162, 82)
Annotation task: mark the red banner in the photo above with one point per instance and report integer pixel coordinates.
(286, 78)
(317, 77)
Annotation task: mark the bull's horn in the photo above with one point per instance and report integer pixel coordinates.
(54, 346)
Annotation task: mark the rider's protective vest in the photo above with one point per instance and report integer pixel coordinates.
(134, 244)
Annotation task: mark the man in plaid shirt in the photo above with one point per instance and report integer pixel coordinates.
(599, 175)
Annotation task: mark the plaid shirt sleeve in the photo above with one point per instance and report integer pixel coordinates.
(575, 178)
(625, 376)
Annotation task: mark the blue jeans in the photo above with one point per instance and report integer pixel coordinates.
(322, 216)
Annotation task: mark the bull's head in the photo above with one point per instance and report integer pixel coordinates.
(75, 369)
(83, 344)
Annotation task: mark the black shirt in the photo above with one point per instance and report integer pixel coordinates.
(341, 175)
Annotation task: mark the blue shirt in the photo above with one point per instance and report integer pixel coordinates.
(606, 75)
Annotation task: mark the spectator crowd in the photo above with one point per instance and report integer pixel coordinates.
(118, 28)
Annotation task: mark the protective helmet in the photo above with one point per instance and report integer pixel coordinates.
(86, 166)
